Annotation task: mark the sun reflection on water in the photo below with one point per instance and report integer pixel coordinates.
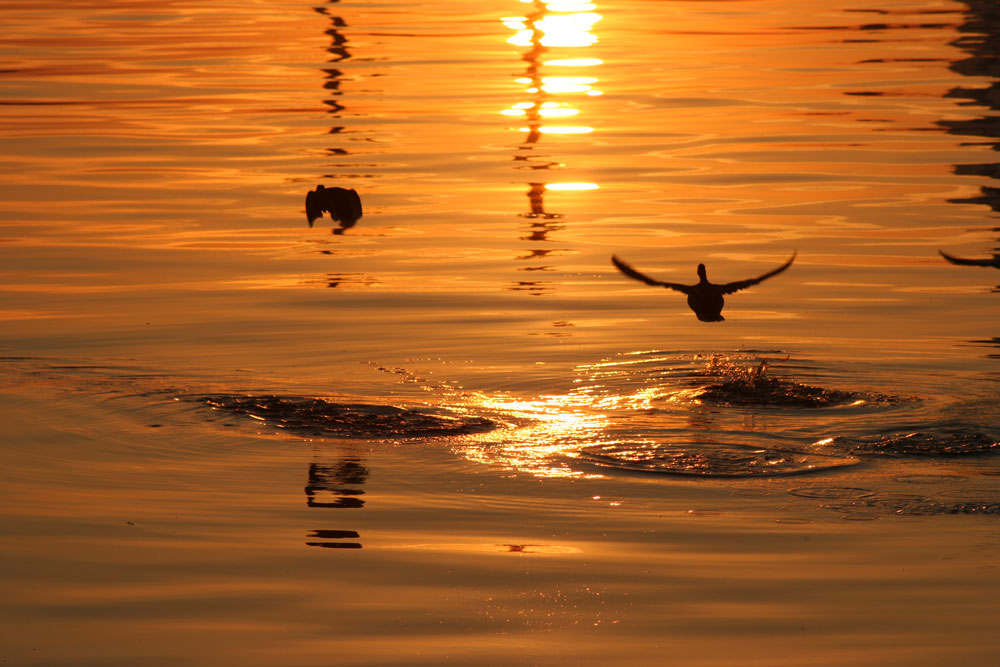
(554, 430)
(552, 34)
(545, 435)
(553, 25)
(719, 415)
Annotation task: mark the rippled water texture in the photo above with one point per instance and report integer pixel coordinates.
(442, 426)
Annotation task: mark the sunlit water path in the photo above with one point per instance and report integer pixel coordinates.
(452, 431)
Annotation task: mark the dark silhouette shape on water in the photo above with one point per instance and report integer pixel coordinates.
(704, 298)
(992, 261)
(343, 205)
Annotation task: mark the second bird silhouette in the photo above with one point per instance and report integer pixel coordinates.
(343, 205)
(704, 298)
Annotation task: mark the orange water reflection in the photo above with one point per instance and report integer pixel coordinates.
(545, 434)
(555, 80)
(556, 428)
(553, 25)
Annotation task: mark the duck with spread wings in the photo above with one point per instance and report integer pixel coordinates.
(704, 298)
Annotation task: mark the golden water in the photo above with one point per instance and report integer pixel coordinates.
(154, 251)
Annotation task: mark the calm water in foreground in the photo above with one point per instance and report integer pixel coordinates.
(453, 432)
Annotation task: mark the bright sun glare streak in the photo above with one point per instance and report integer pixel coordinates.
(557, 427)
(571, 29)
(554, 25)
(543, 436)
(547, 110)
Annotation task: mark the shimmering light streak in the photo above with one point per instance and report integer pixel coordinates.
(567, 30)
(551, 27)
(544, 435)
(570, 30)
(556, 428)
(558, 113)
(545, 111)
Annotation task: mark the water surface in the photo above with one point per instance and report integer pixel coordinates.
(453, 432)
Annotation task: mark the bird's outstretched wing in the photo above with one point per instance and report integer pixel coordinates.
(736, 286)
(643, 278)
(995, 261)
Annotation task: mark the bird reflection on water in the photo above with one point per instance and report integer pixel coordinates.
(988, 262)
(343, 205)
(704, 298)
(993, 261)
(334, 486)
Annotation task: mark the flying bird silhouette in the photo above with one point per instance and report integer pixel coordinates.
(704, 298)
(993, 261)
(343, 205)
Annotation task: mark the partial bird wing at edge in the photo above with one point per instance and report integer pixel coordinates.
(643, 278)
(736, 286)
(968, 262)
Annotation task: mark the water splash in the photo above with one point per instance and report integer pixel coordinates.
(738, 385)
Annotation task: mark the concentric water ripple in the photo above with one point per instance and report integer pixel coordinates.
(347, 420)
(855, 502)
(715, 460)
(653, 412)
(949, 442)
